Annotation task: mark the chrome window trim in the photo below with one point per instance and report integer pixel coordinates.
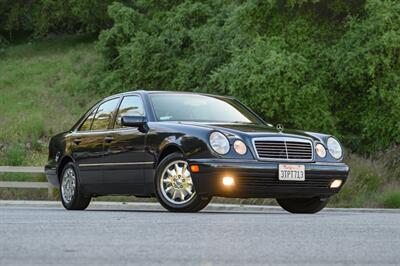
(284, 139)
(112, 130)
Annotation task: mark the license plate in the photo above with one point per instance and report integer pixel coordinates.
(291, 172)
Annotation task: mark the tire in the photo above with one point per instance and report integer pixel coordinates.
(303, 205)
(169, 181)
(71, 194)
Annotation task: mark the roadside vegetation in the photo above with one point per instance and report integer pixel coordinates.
(39, 97)
(318, 65)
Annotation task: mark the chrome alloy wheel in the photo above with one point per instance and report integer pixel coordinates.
(68, 185)
(176, 183)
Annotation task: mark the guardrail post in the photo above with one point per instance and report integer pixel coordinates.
(50, 191)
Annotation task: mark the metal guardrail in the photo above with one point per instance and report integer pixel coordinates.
(24, 184)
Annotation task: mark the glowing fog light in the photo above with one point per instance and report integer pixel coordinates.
(336, 183)
(228, 181)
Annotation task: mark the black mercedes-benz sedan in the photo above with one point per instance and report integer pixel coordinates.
(185, 148)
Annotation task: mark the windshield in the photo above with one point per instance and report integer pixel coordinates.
(200, 108)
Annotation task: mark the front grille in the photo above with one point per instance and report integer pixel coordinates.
(284, 148)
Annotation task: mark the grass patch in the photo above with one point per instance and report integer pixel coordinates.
(391, 199)
(38, 88)
(367, 183)
(14, 155)
(23, 194)
(23, 177)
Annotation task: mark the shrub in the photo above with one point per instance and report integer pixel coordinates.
(328, 66)
(53, 16)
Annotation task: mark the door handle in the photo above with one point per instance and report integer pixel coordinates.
(77, 141)
(108, 139)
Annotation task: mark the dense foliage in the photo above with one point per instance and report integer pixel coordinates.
(329, 66)
(40, 17)
(322, 65)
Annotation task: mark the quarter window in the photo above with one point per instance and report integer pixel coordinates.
(88, 122)
(130, 106)
(104, 114)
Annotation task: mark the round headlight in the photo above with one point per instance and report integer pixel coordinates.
(239, 147)
(334, 148)
(320, 149)
(219, 142)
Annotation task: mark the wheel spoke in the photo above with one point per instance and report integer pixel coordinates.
(184, 169)
(188, 190)
(170, 173)
(177, 169)
(167, 180)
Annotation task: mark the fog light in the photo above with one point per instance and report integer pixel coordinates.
(228, 181)
(336, 183)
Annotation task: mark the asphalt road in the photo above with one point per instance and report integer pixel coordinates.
(100, 236)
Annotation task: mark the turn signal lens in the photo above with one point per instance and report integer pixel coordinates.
(336, 183)
(228, 181)
(239, 147)
(320, 149)
(194, 168)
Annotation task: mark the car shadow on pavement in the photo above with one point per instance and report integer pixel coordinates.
(198, 213)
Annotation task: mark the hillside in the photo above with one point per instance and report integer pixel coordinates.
(38, 88)
(42, 88)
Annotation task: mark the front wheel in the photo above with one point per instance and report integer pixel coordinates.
(174, 186)
(72, 197)
(303, 205)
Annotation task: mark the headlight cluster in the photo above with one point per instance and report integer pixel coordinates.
(334, 148)
(220, 143)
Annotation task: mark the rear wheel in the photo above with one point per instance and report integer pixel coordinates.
(303, 205)
(72, 197)
(174, 186)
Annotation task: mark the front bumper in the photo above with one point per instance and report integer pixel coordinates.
(256, 179)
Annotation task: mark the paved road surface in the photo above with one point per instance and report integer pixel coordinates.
(100, 236)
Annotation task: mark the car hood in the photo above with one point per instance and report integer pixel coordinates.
(254, 130)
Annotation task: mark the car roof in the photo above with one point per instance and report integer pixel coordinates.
(166, 92)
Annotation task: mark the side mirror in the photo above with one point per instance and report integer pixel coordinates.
(133, 121)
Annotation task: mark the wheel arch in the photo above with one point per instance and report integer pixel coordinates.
(66, 159)
(169, 149)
